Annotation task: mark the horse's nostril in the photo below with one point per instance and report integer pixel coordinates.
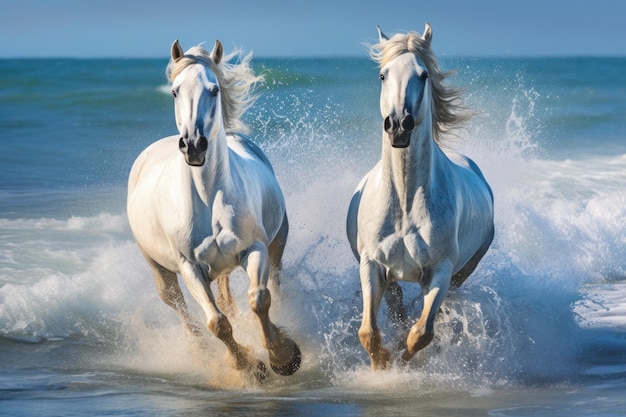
(182, 145)
(203, 144)
(388, 124)
(408, 123)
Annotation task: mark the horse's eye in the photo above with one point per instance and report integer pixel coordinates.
(215, 91)
(382, 77)
(174, 93)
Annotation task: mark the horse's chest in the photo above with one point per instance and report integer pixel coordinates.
(219, 250)
(403, 255)
(219, 241)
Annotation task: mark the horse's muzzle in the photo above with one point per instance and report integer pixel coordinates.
(399, 131)
(195, 152)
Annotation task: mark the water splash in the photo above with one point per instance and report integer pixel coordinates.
(557, 229)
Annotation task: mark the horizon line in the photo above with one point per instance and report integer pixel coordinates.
(327, 56)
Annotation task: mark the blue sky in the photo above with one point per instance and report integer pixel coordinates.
(146, 28)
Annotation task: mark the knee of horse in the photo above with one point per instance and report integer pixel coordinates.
(221, 327)
(260, 301)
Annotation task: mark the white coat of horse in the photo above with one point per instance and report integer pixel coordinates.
(420, 214)
(206, 201)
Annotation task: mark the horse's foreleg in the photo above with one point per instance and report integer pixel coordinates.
(422, 332)
(284, 353)
(369, 333)
(197, 282)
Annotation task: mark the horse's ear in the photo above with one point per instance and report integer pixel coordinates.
(218, 51)
(428, 33)
(381, 36)
(177, 51)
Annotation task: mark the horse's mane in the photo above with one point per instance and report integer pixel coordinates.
(448, 111)
(237, 81)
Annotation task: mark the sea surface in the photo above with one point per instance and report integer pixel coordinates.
(538, 330)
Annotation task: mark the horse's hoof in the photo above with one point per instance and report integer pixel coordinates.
(292, 366)
(260, 373)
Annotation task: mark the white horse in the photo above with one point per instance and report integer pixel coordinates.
(206, 201)
(420, 214)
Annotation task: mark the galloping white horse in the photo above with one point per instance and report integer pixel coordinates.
(206, 201)
(420, 214)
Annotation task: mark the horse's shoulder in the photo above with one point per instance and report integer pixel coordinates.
(153, 155)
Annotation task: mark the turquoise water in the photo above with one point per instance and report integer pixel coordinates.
(539, 329)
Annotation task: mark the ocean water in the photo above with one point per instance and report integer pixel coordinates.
(539, 329)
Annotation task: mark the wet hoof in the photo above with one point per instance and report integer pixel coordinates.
(292, 366)
(260, 373)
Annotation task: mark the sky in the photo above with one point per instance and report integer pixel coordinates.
(315, 28)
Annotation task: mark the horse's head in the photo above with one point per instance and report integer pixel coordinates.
(197, 107)
(405, 92)
(414, 93)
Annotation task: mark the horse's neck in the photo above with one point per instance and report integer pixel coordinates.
(214, 175)
(412, 169)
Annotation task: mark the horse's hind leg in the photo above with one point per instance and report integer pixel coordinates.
(225, 300)
(167, 286)
(397, 314)
(276, 250)
(395, 306)
(459, 278)
(284, 353)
